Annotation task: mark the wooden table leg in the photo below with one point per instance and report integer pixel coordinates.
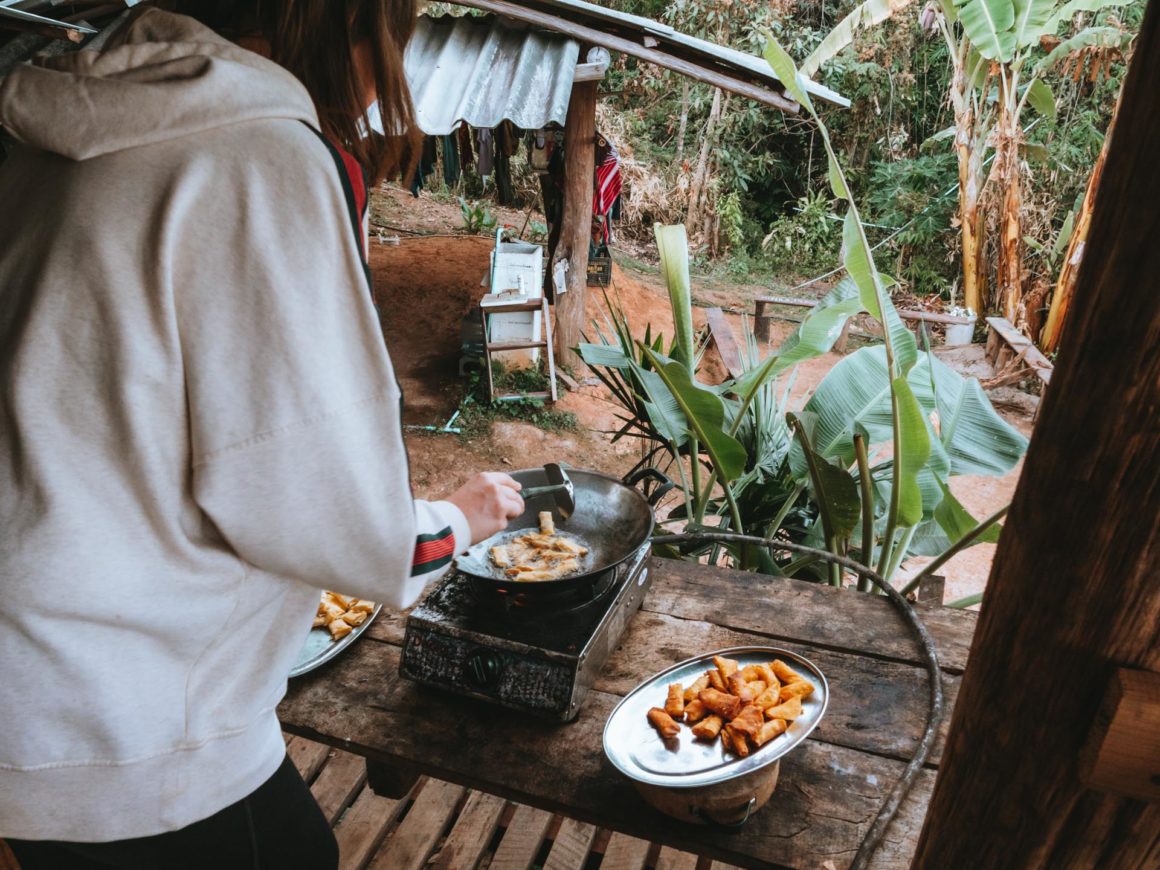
(392, 780)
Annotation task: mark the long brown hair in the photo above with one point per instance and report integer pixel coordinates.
(316, 40)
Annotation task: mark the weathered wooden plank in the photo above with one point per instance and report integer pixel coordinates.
(671, 859)
(417, 835)
(1022, 346)
(469, 839)
(308, 756)
(571, 846)
(339, 783)
(363, 827)
(522, 840)
(875, 706)
(829, 794)
(789, 610)
(726, 342)
(802, 612)
(624, 853)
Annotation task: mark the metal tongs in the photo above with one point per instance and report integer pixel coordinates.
(560, 486)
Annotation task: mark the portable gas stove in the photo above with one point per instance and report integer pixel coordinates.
(537, 656)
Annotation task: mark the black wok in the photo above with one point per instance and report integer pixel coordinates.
(611, 519)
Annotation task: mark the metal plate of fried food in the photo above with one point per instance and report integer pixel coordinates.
(636, 749)
(320, 647)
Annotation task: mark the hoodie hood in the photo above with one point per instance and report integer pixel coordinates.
(161, 77)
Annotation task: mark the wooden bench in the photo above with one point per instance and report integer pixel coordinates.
(1006, 343)
(761, 317)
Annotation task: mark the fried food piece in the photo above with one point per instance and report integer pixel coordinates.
(748, 721)
(339, 629)
(723, 704)
(798, 689)
(547, 524)
(341, 600)
(727, 667)
(362, 606)
(694, 690)
(500, 556)
(330, 611)
(784, 672)
(739, 741)
(717, 681)
(354, 617)
(695, 711)
(727, 740)
(769, 730)
(789, 711)
(319, 621)
(749, 673)
(675, 703)
(747, 694)
(736, 683)
(708, 728)
(769, 698)
(768, 675)
(664, 723)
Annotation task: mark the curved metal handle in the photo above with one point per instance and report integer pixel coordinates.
(664, 483)
(699, 814)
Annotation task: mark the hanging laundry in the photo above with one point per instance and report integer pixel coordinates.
(608, 185)
(426, 165)
(485, 148)
(450, 160)
(466, 155)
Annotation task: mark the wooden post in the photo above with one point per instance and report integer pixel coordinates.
(576, 223)
(1074, 593)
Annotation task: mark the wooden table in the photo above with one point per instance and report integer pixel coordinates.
(830, 787)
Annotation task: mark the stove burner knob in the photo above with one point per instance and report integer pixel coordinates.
(484, 668)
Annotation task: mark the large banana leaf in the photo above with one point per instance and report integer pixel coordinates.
(783, 67)
(607, 355)
(704, 417)
(988, 24)
(1030, 18)
(864, 15)
(1102, 37)
(1041, 98)
(1067, 11)
(912, 441)
(673, 246)
(948, 525)
(833, 489)
(975, 437)
(874, 298)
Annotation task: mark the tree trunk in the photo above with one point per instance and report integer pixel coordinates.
(971, 225)
(1074, 593)
(1009, 269)
(1064, 287)
(576, 223)
(684, 123)
(697, 186)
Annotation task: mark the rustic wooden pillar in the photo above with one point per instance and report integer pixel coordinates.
(576, 224)
(1075, 589)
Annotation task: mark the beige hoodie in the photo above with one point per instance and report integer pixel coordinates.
(199, 428)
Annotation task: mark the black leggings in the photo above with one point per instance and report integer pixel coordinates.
(278, 827)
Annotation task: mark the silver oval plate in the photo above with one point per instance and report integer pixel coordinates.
(636, 749)
(320, 647)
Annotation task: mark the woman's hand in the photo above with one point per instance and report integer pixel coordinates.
(490, 500)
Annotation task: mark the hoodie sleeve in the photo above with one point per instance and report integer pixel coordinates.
(294, 410)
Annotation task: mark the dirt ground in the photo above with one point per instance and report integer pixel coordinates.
(429, 280)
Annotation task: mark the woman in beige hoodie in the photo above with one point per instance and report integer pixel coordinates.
(199, 426)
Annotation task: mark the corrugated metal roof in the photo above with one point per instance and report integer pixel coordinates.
(658, 43)
(484, 69)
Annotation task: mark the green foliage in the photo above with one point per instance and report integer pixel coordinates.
(806, 240)
(477, 216)
(477, 412)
